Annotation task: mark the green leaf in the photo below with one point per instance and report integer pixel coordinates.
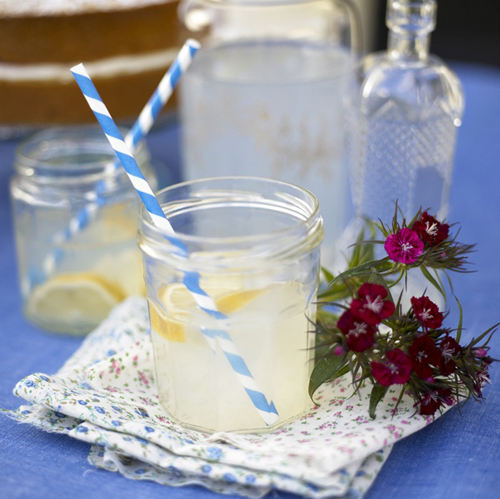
(363, 269)
(356, 254)
(328, 275)
(325, 369)
(433, 281)
(438, 279)
(490, 331)
(377, 394)
(459, 327)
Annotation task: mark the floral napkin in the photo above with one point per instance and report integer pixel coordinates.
(105, 394)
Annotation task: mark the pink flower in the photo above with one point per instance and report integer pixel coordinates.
(423, 354)
(449, 348)
(430, 230)
(427, 312)
(404, 247)
(395, 370)
(371, 305)
(359, 335)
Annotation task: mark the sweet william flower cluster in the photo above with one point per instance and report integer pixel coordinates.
(379, 341)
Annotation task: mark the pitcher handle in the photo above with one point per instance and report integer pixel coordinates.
(357, 31)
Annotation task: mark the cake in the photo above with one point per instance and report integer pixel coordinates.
(126, 46)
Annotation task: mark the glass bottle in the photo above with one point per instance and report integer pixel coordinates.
(403, 116)
(75, 220)
(264, 96)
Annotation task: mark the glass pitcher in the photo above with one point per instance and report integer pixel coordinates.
(264, 96)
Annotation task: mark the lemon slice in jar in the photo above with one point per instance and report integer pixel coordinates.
(180, 304)
(78, 297)
(230, 303)
(178, 301)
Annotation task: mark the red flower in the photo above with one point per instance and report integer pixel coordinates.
(449, 348)
(371, 306)
(396, 369)
(359, 335)
(404, 247)
(423, 354)
(430, 230)
(431, 402)
(427, 312)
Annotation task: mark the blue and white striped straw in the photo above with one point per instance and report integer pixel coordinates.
(136, 135)
(191, 280)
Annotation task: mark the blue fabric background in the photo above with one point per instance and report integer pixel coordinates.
(456, 457)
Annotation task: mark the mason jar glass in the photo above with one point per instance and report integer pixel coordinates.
(250, 248)
(75, 220)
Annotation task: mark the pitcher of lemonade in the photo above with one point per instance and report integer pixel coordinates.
(264, 96)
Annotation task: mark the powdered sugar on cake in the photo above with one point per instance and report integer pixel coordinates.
(29, 8)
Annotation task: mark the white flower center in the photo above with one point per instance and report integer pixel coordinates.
(431, 229)
(425, 315)
(375, 305)
(393, 367)
(447, 352)
(421, 356)
(406, 247)
(359, 329)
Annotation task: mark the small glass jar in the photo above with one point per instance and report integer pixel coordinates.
(75, 220)
(253, 246)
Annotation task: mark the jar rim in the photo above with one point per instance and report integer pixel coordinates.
(306, 230)
(49, 154)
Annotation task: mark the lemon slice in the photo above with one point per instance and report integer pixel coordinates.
(234, 301)
(179, 303)
(78, 297)
(167, 328)
(180, 306)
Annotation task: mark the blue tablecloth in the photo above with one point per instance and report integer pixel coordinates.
(458, 456)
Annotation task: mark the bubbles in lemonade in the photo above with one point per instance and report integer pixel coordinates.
(269, 329)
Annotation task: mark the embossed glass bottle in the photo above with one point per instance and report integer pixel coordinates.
(403, 115)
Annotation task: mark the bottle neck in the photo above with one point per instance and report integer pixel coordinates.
(408, 47)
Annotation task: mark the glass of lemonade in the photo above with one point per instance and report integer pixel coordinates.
(254, 245)
(69, 283)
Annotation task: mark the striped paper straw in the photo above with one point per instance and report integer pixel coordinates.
(136, 135)
(191, 280)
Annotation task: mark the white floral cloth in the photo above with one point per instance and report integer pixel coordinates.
(105, 394)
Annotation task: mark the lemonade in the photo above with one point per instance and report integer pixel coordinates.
(75, 220)
(231, 300)
(269, 329)
(271, 109)
(97, 268)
